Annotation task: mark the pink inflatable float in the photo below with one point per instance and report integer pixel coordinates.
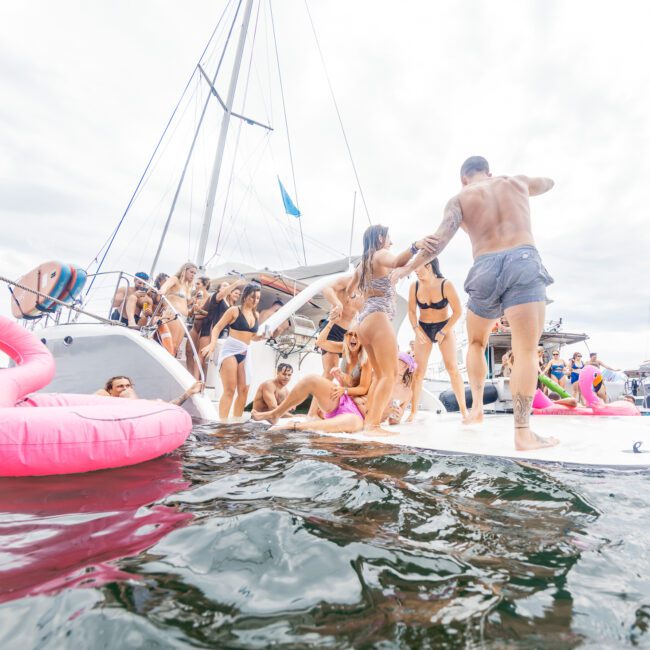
(43, 434)
(542, 405)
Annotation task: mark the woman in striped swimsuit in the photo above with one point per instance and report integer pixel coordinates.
(378, 338)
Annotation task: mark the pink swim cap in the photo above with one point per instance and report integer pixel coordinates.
(408, 360)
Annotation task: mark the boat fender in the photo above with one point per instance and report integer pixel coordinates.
(450, 402)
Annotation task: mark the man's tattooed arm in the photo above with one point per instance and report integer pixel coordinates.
(435, 244)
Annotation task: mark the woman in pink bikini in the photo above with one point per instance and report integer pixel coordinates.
(335, 398)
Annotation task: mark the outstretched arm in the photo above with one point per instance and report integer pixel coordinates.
(537, 185)
(436, 243)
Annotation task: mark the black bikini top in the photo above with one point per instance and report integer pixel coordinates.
(441, 304)
(241, 324)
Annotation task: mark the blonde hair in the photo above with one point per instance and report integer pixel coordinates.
(363, 355)
(373, 240)
(181, 272)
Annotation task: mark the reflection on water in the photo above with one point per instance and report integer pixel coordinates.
(299, 540)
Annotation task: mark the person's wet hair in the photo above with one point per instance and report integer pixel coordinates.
(373, 240)
(284, 366)
(108, 387)
(249, 289)
(434, 265)
(474, 165)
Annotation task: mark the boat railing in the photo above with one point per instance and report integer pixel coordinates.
(75, 310)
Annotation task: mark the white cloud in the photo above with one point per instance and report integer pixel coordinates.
(552, 88)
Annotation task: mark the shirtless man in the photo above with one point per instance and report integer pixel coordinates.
(599, 387)
(265, 314)
(129, 305)
(507, 277)
(344, 310)
(272, 392)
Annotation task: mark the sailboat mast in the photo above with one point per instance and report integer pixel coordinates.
(225, 122)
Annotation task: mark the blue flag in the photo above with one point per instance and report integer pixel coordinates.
(289, 205)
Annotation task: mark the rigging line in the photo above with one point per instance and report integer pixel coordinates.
(117, 228)
(338, 113)
(354, 205)
(188, 158)
(239, 128)
(286, 124)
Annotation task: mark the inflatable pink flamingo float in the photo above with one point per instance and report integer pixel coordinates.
(42, 434)
(542, 405)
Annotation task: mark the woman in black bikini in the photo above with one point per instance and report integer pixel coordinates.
(234, 362)
(434, 295)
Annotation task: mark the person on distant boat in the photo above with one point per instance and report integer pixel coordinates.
(273, 391)
(178, 291)
(265, 314)
(433, 295)
(122, 386)
(226, 296)
(507, 277)
(555, 368)
(599, 385)
(372, 278)
(234, 361)
(576, 364)
(337, 399)
(132, 304)
(198, 312)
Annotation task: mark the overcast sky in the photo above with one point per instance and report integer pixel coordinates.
(558, 89)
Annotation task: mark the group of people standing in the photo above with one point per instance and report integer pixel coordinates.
(376, 383)
(507, 279)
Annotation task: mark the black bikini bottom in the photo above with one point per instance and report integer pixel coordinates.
(431, 329)
(240, 358)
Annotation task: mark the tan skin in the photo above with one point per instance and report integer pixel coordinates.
(430, 291)
(401, 396)
(134, 300)
(555, 359)
(495, 213)
(122, 387)
(233, 374)
(270, 393)
(201, 297)
(172, 286)
(231, 293)
(327, 395)
(344, 311)
(378, 337)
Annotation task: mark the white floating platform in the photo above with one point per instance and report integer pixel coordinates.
(584, 440)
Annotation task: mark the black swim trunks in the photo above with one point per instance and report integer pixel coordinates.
(116, 316)
(337, 333)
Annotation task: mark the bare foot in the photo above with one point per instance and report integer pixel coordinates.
(263, 415)
(525, 440)
(474, 417)
(411, 417)
(376, 430)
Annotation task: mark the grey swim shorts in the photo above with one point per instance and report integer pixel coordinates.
(504, 279)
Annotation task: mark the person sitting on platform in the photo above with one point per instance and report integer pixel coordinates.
(273, 391)
(335, 399)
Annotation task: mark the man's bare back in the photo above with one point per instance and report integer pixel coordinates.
(496, 213)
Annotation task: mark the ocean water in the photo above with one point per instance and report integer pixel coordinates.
(250, 539)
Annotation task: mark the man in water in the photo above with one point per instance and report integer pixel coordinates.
(507, 277)
(122, 386)
(272, 392)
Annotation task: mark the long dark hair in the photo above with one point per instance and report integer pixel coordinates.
(434, 265)
(373, 240)
(249, 289)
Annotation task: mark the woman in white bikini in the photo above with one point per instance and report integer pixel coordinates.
(234, 362)
(178, 290)
(433, 296)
